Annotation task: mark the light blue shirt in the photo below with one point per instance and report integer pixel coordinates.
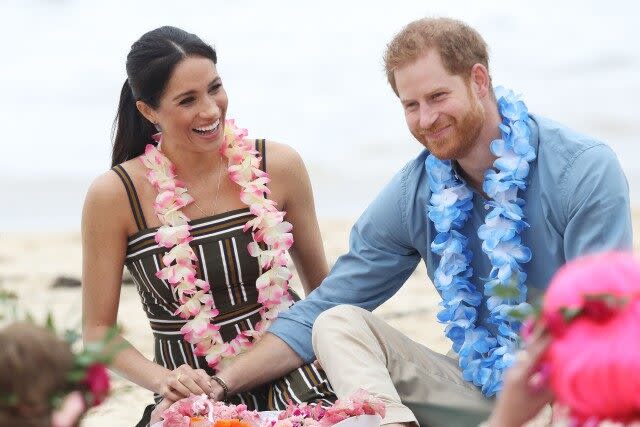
(577, 202)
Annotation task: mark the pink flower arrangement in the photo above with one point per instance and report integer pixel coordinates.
(182, 413)
(268, 228)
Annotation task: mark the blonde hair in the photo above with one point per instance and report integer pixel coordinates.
(34, 365)
(459, 46)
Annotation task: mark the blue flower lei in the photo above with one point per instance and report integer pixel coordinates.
(483, 357)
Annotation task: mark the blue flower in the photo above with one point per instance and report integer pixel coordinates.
(510, 107)
(477, 339)
(462, 316)
(509, 250)
(496, 229)
(510, 210)
(449, 242)
(439, 172)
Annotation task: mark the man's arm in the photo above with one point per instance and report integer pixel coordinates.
(379, 260)
(596, 196)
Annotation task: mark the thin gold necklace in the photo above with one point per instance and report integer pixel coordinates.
(215, 201)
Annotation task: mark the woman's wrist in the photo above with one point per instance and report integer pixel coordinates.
(220, 388)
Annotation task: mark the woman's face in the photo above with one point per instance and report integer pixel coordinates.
(193, 107)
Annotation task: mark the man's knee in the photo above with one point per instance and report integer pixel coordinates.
(338, 320)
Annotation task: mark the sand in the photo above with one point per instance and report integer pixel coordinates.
(29, 264)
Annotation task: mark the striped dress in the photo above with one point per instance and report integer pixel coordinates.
(223, 260)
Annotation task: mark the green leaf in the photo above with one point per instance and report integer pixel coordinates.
(50, 323)
(519, 315)
(76, 375)
(570, 313)
(9, 399)
(506, 291)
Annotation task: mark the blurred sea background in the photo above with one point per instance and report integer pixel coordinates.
(308, 74)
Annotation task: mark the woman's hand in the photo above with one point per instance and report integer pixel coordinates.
(184, 381)
(525, 389)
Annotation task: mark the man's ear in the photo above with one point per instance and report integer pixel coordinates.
(148, 112)
(480, 80)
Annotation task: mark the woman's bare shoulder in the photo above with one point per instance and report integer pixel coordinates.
(282, 159)
(109, 191)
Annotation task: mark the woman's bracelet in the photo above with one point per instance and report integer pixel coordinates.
(225, 388)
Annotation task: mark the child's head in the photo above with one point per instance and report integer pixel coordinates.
(34, 365)
(592, 309)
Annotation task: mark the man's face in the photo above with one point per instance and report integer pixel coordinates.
(441, 109)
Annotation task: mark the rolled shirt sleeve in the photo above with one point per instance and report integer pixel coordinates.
(379, 261)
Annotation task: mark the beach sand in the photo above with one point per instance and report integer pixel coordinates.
(29, 264)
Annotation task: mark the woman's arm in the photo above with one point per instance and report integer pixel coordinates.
(105, 220)
(291, 185)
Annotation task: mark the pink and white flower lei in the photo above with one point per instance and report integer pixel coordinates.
(268, 228)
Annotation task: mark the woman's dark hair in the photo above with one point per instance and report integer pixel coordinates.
(150, 64)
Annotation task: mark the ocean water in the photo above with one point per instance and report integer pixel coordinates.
(308, 74)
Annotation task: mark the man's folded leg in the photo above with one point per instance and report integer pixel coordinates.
(359, 350)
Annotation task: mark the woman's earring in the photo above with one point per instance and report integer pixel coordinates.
(157, 137)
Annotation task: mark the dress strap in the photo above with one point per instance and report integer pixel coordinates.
(261, 148)
(136, 207)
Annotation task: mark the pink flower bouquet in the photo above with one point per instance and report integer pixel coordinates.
(199, 411)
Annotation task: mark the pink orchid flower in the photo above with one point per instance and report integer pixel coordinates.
(171, 200)
(203, 336)
(276, 276)
(194, 303)
(246, 170)
(237, 345)
(254, 196)
(267, 257)
(263, 218)
(168, 236)
(277, 233)
(176, 273)
(272, 312)
(270, 295)
(180, 252)
(173, 218)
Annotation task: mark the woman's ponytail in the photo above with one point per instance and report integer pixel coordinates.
(132, 132)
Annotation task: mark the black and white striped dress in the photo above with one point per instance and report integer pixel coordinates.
(223, 261)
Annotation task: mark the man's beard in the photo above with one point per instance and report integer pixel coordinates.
(461, 139)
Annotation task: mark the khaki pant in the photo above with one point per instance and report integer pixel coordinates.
(358, 350)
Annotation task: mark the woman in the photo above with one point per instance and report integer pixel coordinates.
(186, 210)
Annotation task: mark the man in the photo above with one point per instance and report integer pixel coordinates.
(466, 220)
